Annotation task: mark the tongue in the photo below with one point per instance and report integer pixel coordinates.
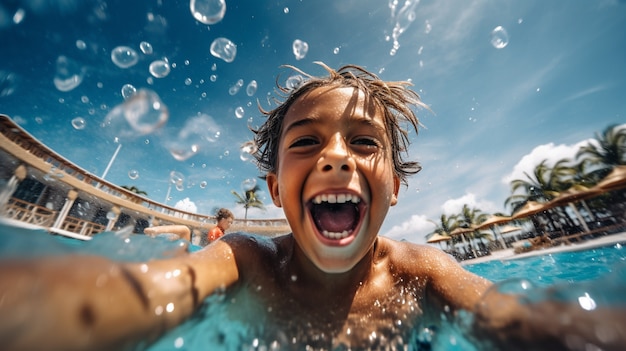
(335, 217)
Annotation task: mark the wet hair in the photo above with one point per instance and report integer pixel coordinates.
(223, 213)
(395, 99)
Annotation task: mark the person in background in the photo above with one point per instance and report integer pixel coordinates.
(224, 219)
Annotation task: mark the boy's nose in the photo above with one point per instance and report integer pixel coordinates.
(336, 156)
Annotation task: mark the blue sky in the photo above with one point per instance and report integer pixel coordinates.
(497, 110)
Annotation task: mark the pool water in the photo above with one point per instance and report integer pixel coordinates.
(599, 273)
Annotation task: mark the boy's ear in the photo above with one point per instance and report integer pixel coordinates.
(272, 185)
(396, 190)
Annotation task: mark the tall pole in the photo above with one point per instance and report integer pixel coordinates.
(119, 146)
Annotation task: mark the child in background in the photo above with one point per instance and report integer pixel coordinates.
(333, 157)
(224, 219)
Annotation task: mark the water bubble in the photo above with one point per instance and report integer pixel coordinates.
(203, 184)
(188, 81)
(235, 88)
(128, 90)
(300, 49)
(336, 50)
(198, 133)
(79, 123)
(133, 174)
(84, 99)
(248, 149)
(251, 88)
(286, 10)
(80, 45)
(248, 184)
(69, 74)
(124, 56)
(146, 48)
(214, 67)
(224, 49)
(499, 37)
(159, 68)
(208, 11)
(294, 82)
(239, 112)
(8, 83)
(213, 77)
(143, 112)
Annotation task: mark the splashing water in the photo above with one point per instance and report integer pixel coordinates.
(403, 19)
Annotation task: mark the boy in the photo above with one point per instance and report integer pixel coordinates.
(332, 153)
(224, 219)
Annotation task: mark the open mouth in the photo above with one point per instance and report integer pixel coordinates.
(336, 216)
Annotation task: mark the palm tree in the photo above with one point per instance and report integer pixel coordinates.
(248, 199)
(606, 151)
(134, 189)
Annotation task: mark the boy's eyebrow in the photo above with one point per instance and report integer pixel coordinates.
(353, 119)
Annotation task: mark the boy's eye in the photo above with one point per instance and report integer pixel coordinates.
(306, 141)
(367, 142)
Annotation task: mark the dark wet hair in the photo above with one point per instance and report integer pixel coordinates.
(394, 98)
(224, 213)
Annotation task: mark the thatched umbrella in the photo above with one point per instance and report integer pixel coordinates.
(614, 180)
(530, 208)
(438, 238)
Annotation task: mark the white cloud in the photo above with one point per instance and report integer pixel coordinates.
(550, 152)
(186, 205)
(454, 206)
(413, 230)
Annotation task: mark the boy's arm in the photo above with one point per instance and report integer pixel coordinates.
(503, 321)
(85, 302)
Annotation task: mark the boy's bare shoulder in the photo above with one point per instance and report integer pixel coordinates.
(416, 258)
(253, 249)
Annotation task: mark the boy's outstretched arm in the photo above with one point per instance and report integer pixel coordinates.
(504, 322)
(85, 302)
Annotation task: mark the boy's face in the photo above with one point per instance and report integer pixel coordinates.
(334, 179)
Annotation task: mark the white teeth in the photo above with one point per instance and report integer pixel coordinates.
(336, 199)
(334, 235)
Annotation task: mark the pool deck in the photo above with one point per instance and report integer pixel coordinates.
(508, 254)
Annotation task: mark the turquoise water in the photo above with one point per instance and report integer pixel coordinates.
(600, 273)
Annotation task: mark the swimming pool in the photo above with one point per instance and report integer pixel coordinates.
(600, 273)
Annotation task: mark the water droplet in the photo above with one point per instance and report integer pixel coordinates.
(203, 184)
(248, 184)
(208, 11)
(300, 49)
(69, 74)
(80, 45)
(188, 81)
(248, 149)
(224, 49)
(124, 57)
(111, 215)
(159, 68)
(133, 174)
(239, 112)
(198, 133)
(251, 88)
(235, 88)
(294, 82)
(8, 83)
(79, 123)
(499, 37)
(336, 50)
(143, 112)
(286, 10)
(146, 48)
(128, 90)
(213, 77)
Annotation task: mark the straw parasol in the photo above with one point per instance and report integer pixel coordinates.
(436, 238)
(573, 195)
(530, 208)
(493, 220)
(614, 180)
